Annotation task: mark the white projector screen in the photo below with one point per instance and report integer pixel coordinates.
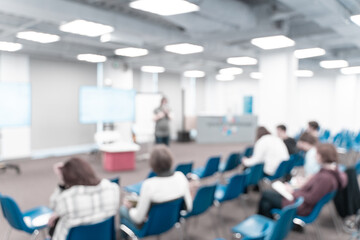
(15, 104)
(106, 105)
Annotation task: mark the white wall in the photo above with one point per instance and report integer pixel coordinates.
(55, 114)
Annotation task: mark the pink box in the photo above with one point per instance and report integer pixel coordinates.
(118, 161)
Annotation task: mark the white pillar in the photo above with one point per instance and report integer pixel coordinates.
(15, 142)
(277, 89)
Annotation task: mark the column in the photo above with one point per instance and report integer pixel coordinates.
(277, 89)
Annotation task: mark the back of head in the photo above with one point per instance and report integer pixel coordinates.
(161, 159)
(261, 131)
(313, 125)
(76, 171)
(281, 127)
(327, 153)
(308, 138)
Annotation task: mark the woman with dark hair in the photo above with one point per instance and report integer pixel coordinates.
(165, 186)
(268, 149)
(328, 179)
(81, 198)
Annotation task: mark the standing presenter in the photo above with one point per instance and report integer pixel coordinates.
(162, 117)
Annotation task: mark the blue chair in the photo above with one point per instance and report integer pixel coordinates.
(357, 167)
(283, 169)
(248, 152)
(258, 227)
(115, 180)
(210, 168)
(232, 190)
(298, 158)
(162, 217)
(254, 174)
(203, 200)
(30, 221)
(231, 163)
(104, 230)
(135, 188)
(185, 168)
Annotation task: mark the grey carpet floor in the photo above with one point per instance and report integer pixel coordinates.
(37, 181)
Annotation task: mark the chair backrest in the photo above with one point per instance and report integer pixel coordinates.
(298, 158)
(284, 224)
(185, 168)
(248, 152)
(12, 214)
(317, 209)
(281, 171)
(235, 187)
(232, 162)
(151, 174)
(254, 174)
(162, 217)
(211, 166)
(104, 230)
(203, 200)
(115, 180)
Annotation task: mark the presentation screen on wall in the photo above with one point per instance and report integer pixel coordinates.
(106, 105)
(15, 104)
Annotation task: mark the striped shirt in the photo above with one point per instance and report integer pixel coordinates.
(84, 205)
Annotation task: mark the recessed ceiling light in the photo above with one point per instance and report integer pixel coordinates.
(105, 37)
(355, 19)
(350, 70)
(152, 69)
(194, 74)
(242, 61)
(334, 64)
(10, 46)
(38, 37)
(165, 7)
(231, 71)
(304, 73)
(224, 77)
(131, 52)
(256, 75)
(309, 53)
(273, 42)
(93, 58)
(86, 28)
(184, 48)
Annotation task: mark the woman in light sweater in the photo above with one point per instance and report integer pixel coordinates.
(268, 149)
(165, 186)
(328, 179)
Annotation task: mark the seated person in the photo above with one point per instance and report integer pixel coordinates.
(313, 128)
(81, 198)
(289, 142)
(327, 180)
(268, 149)
(165, 186)
(307, 143)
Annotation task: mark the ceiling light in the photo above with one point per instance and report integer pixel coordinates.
(273, 42)
(242, 61)
(334, 64)
(194, 74)
(304, 73)
(231, 71)
(355, 19)
(93, 58)
(184, 48)
(86, 28)
(152, 69)
(10, 46)
(350, 70)
(256, 75)
(309, 53)
(105, 38)
(224, 77)
(38, 37)
(131, 52)
(164, 7)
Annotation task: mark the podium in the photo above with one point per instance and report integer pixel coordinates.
(119, 156)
